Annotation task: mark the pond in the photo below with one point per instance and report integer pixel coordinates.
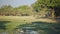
(4, 33)
(31, 32)
(36, 28)
(41, 28)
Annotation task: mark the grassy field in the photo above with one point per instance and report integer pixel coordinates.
(8, 23)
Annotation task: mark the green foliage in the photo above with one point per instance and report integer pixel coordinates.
(49, 4)
(5, 10)
(52, 3)
(25, 9)
(46, 3)
(9, 10)
(39, 7)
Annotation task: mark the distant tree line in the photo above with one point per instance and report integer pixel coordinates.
(49, 8)
(8, 10)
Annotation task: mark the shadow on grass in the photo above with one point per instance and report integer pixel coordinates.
(3, 24)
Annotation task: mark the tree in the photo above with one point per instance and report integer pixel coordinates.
(6, 10)
(51, 4)
(17, 11)
(24, 10)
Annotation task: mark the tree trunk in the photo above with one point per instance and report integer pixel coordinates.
(53, 14)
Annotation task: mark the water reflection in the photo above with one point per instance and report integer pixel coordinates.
(4, 33)
(31, 32)
(36, 28)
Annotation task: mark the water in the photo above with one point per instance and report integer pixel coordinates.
(4, 33)
(31, 32)
(37, 28)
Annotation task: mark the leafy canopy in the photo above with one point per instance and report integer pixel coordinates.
(52, 3)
